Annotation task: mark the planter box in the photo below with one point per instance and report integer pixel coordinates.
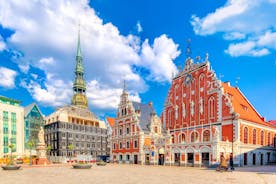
(82, 166)
(101, 163)
(11, 167)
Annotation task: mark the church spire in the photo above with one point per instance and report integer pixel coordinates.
(79, 88)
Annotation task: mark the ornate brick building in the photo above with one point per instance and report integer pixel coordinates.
(207, 117)
(137, 134)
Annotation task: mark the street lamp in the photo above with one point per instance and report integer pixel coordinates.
(234, 115)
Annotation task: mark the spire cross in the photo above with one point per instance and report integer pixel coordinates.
(124, 85)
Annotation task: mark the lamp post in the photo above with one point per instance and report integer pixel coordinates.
(232, 164)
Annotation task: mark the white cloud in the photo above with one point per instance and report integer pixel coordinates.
(139, 27)
(46, 32)
(249, 21)
(247, 49)
(54, 93)
(234, 36)
(105, 98)
(7, 77)
(159, 58)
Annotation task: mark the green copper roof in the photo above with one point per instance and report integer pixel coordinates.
(79, 47)
(10, 101)
(79, 87)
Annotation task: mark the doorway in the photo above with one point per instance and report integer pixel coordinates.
(254, 159)
(245, 159)
(135, 159)
(147, 159)
(268, 157)
(161, 159)
(262, 159)
(205, 159)
(191, 159)
(177, 159)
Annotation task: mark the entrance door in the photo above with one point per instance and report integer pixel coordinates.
(245, 159)
(191, 159)
(177, 159)
(147, 161)
(135, 159)
(268, 157)
(205, 159)
(161, 159)
(254, 159)
(262, 157)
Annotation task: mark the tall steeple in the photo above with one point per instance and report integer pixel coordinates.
(79, 87)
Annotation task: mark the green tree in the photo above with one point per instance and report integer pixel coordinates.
(70, 148)
(31, 145)
(11, 146)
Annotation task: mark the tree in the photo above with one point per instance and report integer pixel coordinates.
(31, 145)
(70, 148)
(11, 146)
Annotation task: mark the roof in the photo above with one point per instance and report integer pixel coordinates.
(10, 101)
(272, 122)
(28, 109)
(146, 111)
(242, 106)
(110, 121)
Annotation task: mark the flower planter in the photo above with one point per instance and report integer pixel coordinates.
(11, 167)
(82, 166)
(101, 163)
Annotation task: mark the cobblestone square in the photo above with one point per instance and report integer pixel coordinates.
(132, 174)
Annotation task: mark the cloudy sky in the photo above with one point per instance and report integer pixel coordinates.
(142, 42)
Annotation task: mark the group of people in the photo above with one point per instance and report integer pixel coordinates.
(223, 163)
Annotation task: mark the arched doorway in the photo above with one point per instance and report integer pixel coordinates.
(161, 159)
(190, 156)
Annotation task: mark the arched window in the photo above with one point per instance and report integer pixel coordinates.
(127, 144)
(127, 130)
(245, 135)
(206, 136)
(156, 129)
(254, 136)
(262, 137)
(121, 145)
(268, 139)
(211, 107)
(182, 138)
(194, 136)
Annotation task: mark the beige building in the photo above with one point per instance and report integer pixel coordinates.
(11, 127)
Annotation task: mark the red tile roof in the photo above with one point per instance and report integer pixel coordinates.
(110, 121)
(242, 106)
(272, 122)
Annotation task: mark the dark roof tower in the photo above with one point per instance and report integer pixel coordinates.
(79, 98)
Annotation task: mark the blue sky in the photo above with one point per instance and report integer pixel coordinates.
(142, 42)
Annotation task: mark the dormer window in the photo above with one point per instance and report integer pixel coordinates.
(244, 107)
(156, 129)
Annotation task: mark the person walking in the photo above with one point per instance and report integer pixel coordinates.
(231, 162)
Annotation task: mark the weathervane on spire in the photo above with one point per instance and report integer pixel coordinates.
(188, 49)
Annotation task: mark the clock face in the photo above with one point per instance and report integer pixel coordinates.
(188, 79)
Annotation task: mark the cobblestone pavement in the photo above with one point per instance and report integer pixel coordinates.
(132, 174)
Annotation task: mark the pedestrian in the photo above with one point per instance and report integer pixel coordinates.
(231, 163)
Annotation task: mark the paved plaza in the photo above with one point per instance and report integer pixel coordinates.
(132, 174)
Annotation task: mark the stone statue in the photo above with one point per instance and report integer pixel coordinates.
(183, 110)
(216, 133)
(201, 105)
(41, 136)
(192, 108)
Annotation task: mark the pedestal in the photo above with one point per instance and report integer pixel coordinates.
(41, 155)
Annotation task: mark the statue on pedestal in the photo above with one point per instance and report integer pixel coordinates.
(41, 148)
